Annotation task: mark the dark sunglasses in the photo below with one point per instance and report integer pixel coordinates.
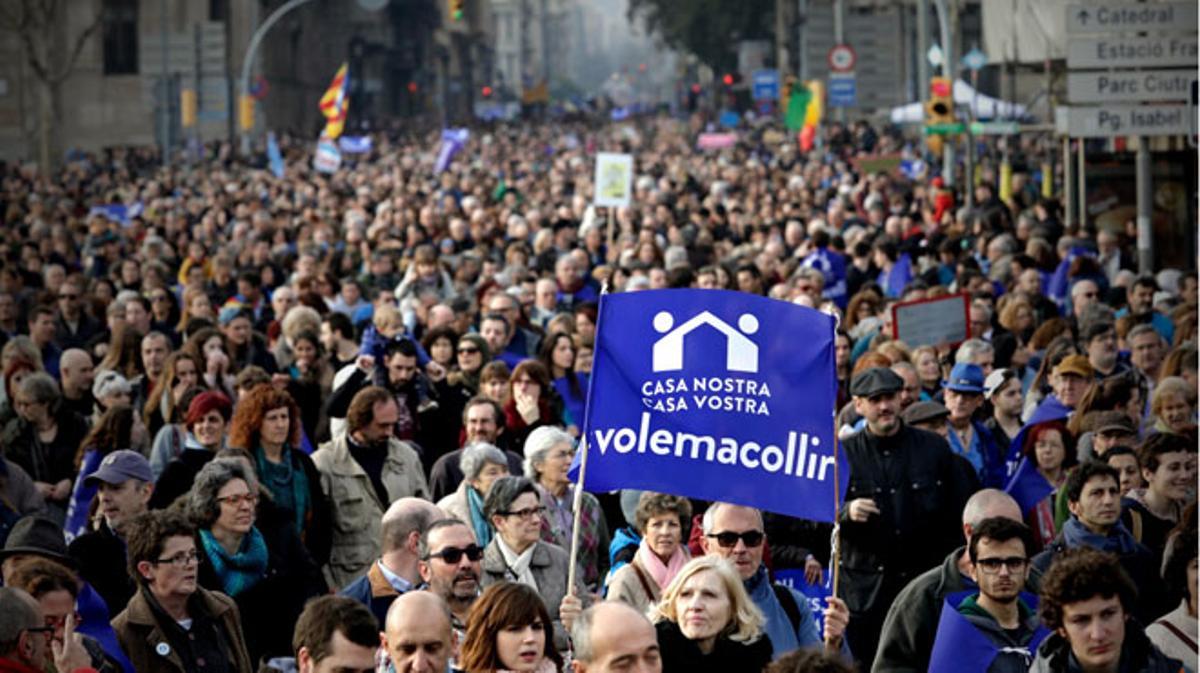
(728, 540)
(467, 351)
(453, 555)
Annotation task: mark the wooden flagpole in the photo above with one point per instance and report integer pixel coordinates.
(835, 555)
(577, 504)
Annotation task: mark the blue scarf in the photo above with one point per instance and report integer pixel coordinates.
(288, 483)
(242, 570)
(483, 530)
(1119, 541)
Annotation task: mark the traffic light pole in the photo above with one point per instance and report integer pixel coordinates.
(948, 160)
(248, 60)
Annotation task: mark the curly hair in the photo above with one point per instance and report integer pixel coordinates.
(502, 606)
(201, 506)
(651, 504)
(148, 534)
(251, 409)
(1081, 574)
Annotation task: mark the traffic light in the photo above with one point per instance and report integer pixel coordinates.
(456, 9)
(486, 91)
(939, 109)
(727, 79)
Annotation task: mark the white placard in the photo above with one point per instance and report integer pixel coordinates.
(1131, 52)
(614, 179)
(1107, 121)
(1144, 86)
(1131, 17)
(327, 158)
(930, 322)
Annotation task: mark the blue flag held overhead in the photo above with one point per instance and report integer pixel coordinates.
(715, 395)
(274, 156)
(453, 140)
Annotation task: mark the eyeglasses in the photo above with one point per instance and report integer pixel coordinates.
(993, 565)
(453, 555)
(729, 539)
(181, 560)
(525, 513)
(60, 622)
(47, 630)
(67, 295)
(468, 351)
(237, 500)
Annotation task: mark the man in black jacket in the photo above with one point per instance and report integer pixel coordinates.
(902, 507)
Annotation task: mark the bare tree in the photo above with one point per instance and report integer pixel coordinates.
(40, 27)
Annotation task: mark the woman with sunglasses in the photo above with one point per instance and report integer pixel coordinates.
(264, 568)
(164, 562)
(518, 554)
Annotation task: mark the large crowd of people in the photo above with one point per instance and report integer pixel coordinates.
(324, 422)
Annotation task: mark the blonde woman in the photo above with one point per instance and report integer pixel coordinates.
(707, 622)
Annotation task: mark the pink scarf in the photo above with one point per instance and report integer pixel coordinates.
(662, 573)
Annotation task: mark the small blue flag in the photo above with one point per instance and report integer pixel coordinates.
(716, 395)
(274, 156)
(893, 282)
(1059, 285)
(355, 144)
(833, 266)
(453, 140)
(960, 647)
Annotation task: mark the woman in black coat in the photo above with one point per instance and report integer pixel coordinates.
(707, 622)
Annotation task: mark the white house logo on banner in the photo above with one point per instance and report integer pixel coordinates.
(739, 394)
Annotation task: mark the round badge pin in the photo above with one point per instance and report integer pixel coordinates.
(162, 649)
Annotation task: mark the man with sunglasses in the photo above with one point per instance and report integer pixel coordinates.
(449, 567)
(736, 533)
(396, 571)
(25, 645)
(995, 628)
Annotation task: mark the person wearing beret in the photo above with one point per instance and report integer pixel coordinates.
(905, 492)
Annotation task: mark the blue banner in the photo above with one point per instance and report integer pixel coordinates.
(716, 395)
(274, 156)
(814, 594)
(833, 266)
(453, 140)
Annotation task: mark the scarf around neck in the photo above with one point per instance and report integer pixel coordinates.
(288, 483)
(662, 573)
(241, 571)
(518, 564)
(479, 523)
(1118, 541)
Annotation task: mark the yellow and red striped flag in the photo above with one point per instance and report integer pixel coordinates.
(336, 103)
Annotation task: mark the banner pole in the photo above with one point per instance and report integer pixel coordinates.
(835, 556)
(577, 504)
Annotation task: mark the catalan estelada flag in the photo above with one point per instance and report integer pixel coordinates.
(336, 103)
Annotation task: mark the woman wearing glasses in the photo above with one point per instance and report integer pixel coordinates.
(660, 520)
(548, 453)
(265, 569)
(171, 622)
(707, 622)
(518, 554)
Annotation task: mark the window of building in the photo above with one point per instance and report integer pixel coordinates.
(120, 37)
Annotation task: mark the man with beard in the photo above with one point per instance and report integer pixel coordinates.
(397, 374)
(998, 611)
(902, 504)
(449, 566)
(396, 571)
(362, 471)
(483, 421)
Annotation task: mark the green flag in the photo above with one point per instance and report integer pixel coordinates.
(797, 107)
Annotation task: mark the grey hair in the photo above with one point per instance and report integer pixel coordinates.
(108, 383)
(41, 387)
(202, 506)
(710, 515)
(1139, 330)
(504, 492)
(970, 349)
(476, 456)
(539, 443)
(18, 611)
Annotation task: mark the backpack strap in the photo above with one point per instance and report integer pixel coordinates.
(788, 602)
(1178, 633)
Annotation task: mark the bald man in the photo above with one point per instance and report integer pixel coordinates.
(612, 636)
(417, 635)
(911, 623)
(77, 372)
(395, 572)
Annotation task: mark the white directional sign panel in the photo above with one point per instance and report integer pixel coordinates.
(1145, 86)
(1132, 52)
(1132, 17)
(1107, 121)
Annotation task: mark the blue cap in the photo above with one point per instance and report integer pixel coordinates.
(121, 466)
(965, 378)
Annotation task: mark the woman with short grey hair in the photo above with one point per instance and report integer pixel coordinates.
(482, 464)
(518, 554)
(548, 454)
(265, 569)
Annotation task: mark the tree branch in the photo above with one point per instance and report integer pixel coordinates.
(79, 43)
(39, 68)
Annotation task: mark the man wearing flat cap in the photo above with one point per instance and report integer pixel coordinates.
(905, 492)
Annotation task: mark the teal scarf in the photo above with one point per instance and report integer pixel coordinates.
(242, 570)
(483, 530)
(288, 484)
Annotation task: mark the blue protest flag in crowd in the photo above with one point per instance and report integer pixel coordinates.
(716, 395)
(961, 647)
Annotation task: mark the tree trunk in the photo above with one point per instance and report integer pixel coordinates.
(44, 128)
